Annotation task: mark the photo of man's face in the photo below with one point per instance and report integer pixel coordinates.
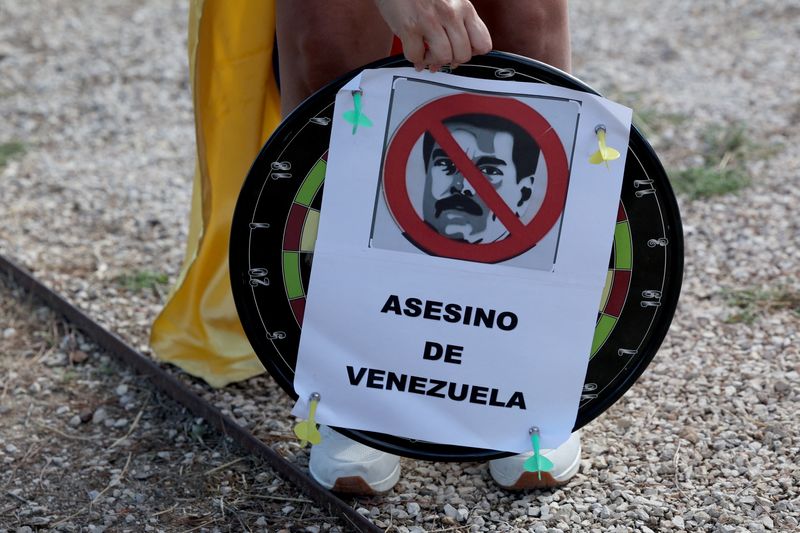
(424, 195)
(504, 153)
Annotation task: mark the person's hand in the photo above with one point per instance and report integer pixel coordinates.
(436, 32)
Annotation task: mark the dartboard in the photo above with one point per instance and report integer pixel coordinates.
(275, 226)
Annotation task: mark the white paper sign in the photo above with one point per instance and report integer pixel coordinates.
(462, 250)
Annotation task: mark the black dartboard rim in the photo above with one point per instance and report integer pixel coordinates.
(267, 263)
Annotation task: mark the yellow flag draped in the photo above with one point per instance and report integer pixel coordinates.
(237, 106)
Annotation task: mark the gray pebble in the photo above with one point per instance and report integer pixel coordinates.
(99, 416)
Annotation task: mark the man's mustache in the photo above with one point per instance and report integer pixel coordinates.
(459, 202)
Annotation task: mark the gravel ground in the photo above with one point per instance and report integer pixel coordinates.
(85, 445)
(96, 207)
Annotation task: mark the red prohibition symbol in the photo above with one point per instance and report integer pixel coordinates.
(431, 117)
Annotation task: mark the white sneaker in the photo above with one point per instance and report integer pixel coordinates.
(510, 474)
(341, 464)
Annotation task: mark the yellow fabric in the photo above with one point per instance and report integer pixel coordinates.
(237, 106)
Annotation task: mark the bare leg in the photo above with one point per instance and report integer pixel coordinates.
(319, 40)
(538, 29)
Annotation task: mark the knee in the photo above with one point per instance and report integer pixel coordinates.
(547, 18)
(315, 59)
(549, 12)
(539, 30)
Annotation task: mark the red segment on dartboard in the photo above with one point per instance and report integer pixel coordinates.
(618, 294)
(431, 117)
(294, 227)
(621, 215)
(298, 308)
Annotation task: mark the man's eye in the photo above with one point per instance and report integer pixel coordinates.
(491, 171)
(446, 164)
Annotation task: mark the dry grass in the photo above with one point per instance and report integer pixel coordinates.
(750, 304)
(144, 280)
(9, 150)
(726, 151)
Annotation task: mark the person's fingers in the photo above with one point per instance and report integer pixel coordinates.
(459, 42)
(439, 50)
(414, 50)
(479, 38)
(436, 32)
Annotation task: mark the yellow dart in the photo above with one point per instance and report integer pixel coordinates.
(306, 430)
(605, 153)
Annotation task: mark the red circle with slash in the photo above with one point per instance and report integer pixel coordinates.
(430, 117)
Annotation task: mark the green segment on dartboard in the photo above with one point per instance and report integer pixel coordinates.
(601, 331)
(623, 259)
(311, 184)
(291, 275)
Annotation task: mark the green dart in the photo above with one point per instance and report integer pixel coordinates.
(537, 462)
(355, 117)
(306, 430)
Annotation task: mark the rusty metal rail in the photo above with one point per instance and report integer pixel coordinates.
(171, 386)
